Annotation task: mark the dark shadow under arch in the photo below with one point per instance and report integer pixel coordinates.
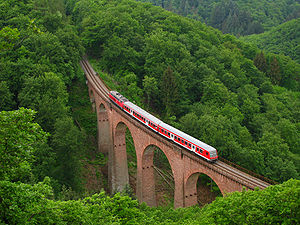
(157, 178)
(200, 189)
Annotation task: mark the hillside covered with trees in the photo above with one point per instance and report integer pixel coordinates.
(219, 89)
(40, 52)
(237, 17)
(283, 39)
(212, 86)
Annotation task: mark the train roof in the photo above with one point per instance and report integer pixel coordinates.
(168, 127)
(143, 112)
(188, 137)
(118, 95)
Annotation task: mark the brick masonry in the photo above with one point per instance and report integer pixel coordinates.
(112, 123)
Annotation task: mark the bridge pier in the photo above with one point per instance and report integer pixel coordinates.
(185, 166)
(104, 131)
(119, 177)
(147, 177)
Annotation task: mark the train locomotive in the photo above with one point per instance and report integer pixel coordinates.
(184, 140)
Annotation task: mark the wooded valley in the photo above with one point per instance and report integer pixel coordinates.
(238, 93)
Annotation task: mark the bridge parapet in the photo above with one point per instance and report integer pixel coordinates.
(185, 165)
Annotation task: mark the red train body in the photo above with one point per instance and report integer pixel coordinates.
(184, 140)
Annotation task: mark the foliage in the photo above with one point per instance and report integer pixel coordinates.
(223, 91)
(39, 55)
(282, 39)
(252, 207)
(236, 17)
(20, 138)
(27, 204)
(67, 143)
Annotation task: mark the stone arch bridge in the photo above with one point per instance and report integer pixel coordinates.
(186, 167)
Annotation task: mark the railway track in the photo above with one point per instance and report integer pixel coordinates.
(227, 170)
(93, 78)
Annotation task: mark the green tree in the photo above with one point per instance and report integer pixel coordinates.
(67, 143)
(20, 138)
(48, 96)
(150, 88)
(6, 101)
(260, 62)
(274, 71)
(8, 38)
(170, 92)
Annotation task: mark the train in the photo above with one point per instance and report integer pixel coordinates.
(182, 139)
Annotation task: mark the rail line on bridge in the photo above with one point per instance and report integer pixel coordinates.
(244, 179)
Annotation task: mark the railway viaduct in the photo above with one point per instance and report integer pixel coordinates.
(186, 166)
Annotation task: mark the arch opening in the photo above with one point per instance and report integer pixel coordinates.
(207, 190)
(132, 164)
(200, 189)
(158, 180)
(123, 159)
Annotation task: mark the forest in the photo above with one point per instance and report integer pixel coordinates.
(241, 98)
(239, 17)
(283, 39)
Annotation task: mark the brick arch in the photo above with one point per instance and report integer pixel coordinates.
(183, 164)
(120, 175)
(190, 190)
(147, 176)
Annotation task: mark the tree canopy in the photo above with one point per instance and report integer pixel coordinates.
(236, 93)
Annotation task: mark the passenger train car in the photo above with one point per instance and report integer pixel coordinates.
(184, 140)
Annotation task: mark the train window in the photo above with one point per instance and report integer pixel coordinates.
(165, 132)
(197, 150)
(186, 143)
(175, 137)
(169, 133)
(193, 147)
(162, 130)
(189, 145)
(178, 139)
(182, 141)
(206, 153)
(201, 151)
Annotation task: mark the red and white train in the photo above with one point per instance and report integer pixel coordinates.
(184, 140)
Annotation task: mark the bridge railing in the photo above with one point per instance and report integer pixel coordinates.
(247, 171)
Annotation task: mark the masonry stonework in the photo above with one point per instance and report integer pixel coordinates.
(112, 124)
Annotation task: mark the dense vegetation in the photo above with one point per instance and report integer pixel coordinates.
(213, 86)
(223, 91)
(40, 53)
(33, 204)
(283, 39)
(236, 17)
